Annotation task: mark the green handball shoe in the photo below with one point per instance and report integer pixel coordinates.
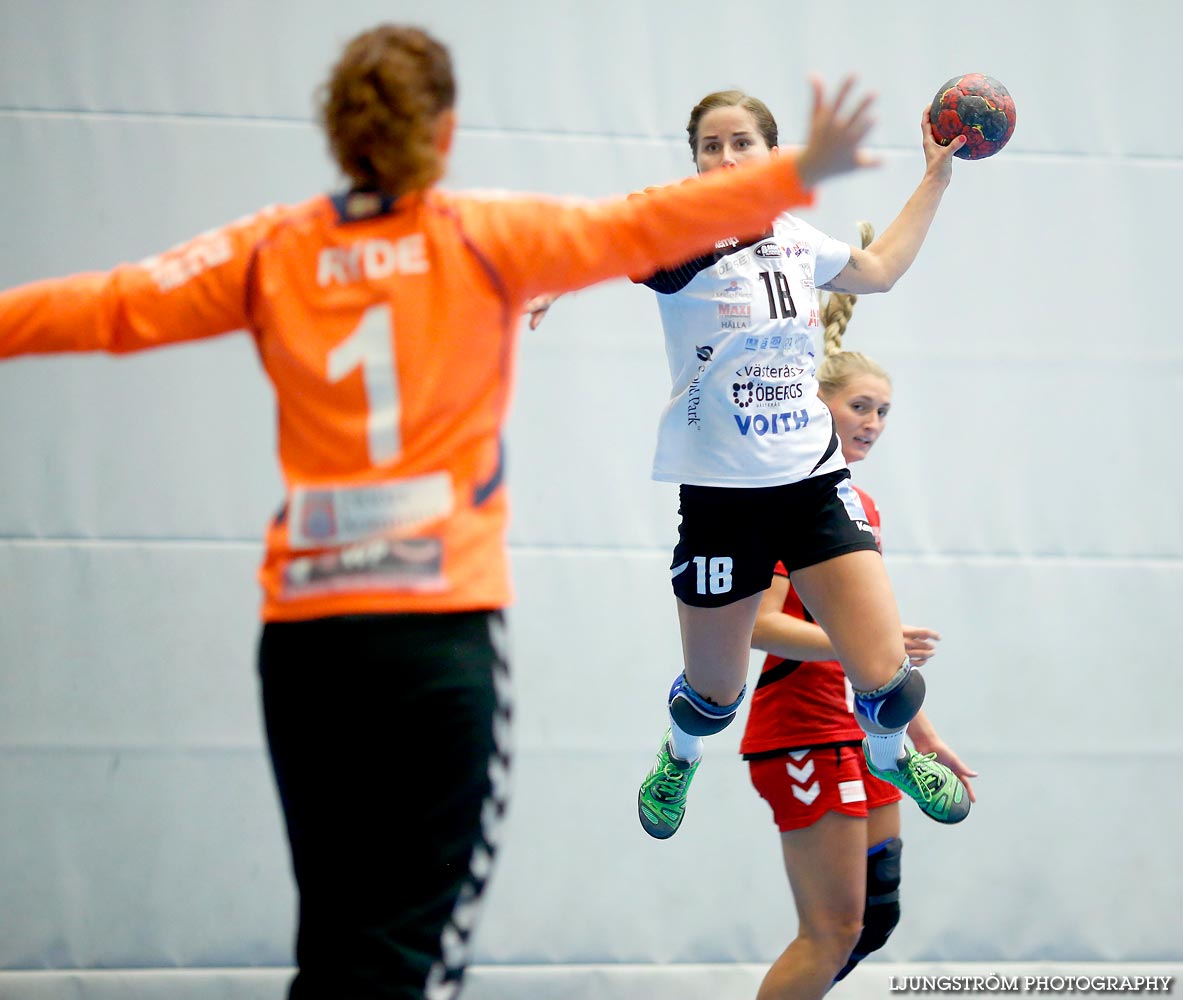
(937, 790)
(661, 802)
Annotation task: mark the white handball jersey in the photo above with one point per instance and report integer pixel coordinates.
(741, 329)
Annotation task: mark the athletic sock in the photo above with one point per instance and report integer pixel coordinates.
(885, 751)
(684, 746)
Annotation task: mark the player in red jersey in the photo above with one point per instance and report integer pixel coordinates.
(840, 825)
(386, 319)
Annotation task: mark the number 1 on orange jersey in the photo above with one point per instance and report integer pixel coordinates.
(371, 347)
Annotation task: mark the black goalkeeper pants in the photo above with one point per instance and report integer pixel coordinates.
(388, 737)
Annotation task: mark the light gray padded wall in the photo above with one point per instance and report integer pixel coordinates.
(1028, 484)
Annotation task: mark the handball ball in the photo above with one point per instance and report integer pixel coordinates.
(977, 107)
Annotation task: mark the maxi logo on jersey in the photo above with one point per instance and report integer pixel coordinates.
(734, 315)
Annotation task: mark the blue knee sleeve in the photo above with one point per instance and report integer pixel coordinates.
(697, 716)
(890, 708)
(882, 910)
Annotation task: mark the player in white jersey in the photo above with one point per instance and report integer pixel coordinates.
(750, 443)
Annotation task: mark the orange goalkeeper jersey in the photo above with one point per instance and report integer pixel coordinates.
(388, 331)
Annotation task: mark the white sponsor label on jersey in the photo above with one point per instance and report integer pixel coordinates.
(407, 564)
(324, 516)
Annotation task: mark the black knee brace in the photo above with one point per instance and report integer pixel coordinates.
(697, 716)
(890, 708)
(882, 911)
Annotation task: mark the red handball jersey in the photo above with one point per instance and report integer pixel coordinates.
(388, 331)
(803, 704)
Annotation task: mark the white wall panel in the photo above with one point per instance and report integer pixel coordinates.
(91, 190)
(138, 815)
(111, 646)
(1080, 73)
(156, 858)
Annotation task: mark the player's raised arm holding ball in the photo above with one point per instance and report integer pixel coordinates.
(883, 263)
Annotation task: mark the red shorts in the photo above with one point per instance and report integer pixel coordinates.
(803, 786)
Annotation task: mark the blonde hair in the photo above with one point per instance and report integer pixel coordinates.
(839, 366)
(381, 105)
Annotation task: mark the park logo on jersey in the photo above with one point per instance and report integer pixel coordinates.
(769, 249)
(694, 389)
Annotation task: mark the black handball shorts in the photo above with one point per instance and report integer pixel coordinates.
(731, 538)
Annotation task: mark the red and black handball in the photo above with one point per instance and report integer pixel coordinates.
(978, 107)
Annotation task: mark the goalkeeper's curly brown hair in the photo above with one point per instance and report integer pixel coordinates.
(381, 109)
